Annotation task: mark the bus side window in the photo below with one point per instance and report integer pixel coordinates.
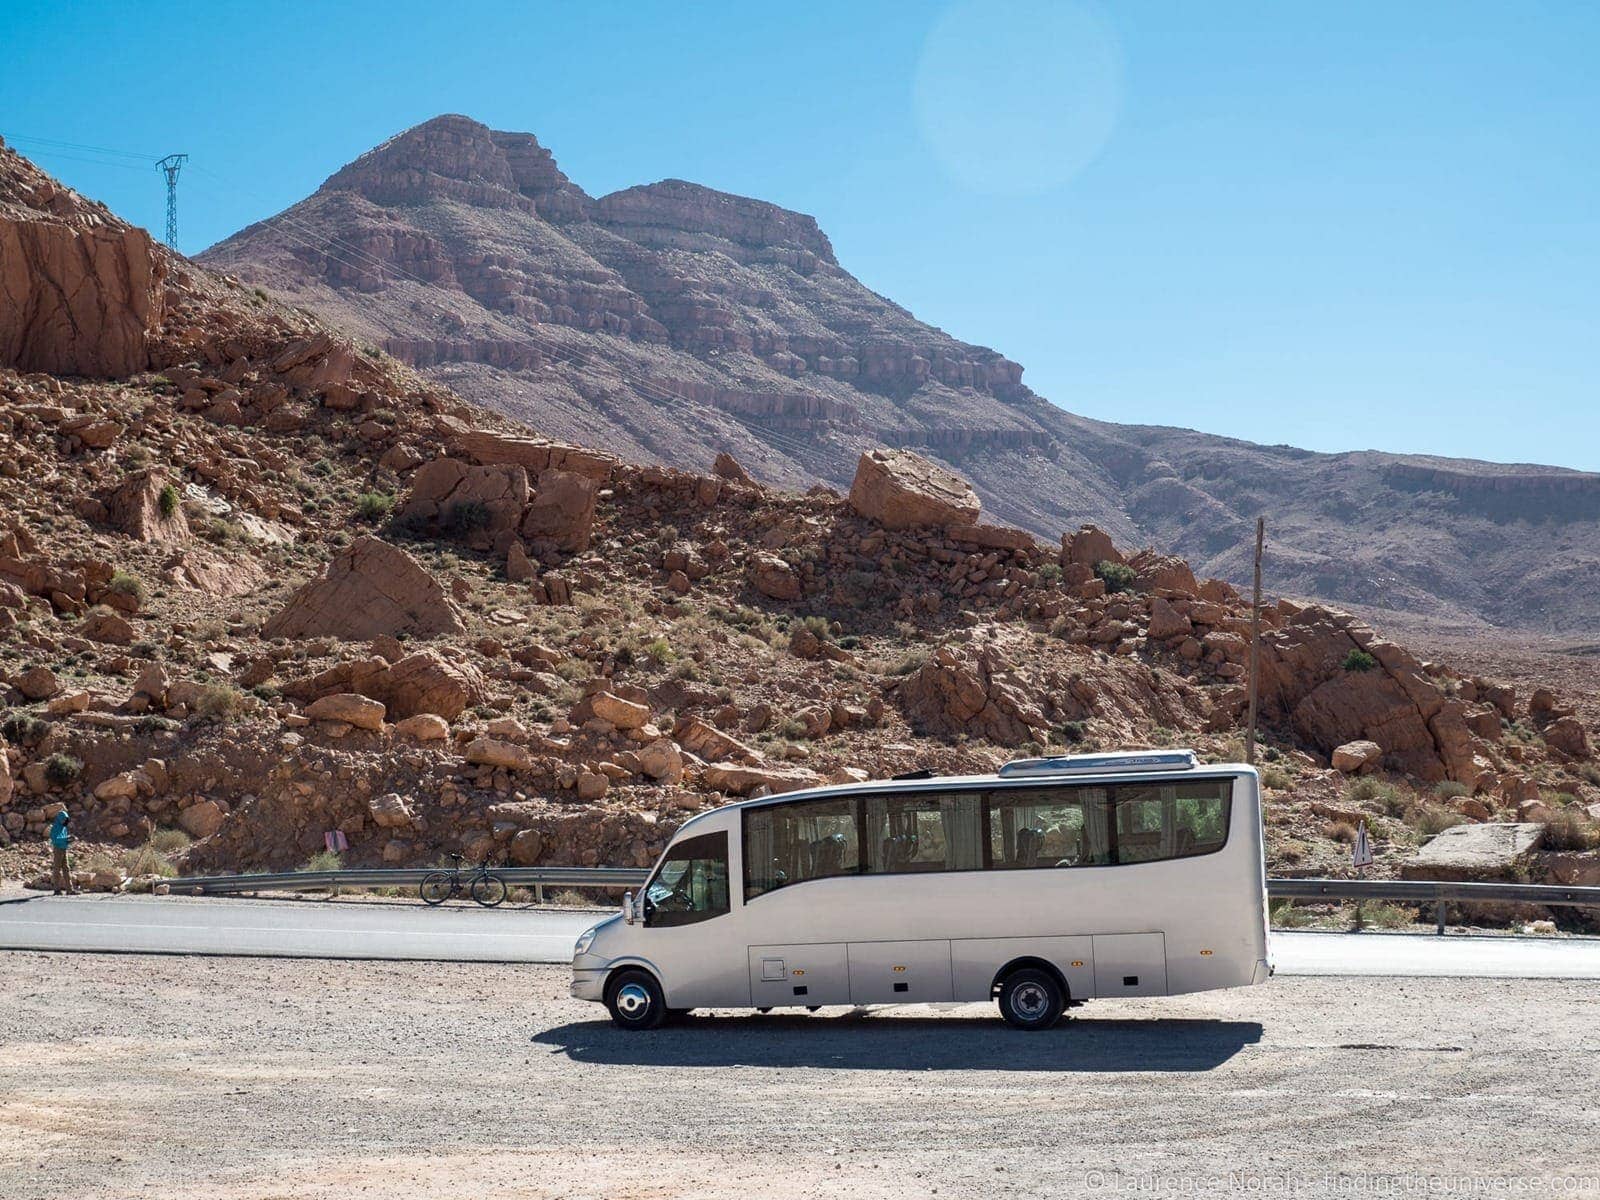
(923, 831)
(791, 843)
(1165, 821)
(1048, 827)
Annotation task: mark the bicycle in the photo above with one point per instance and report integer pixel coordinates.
(487, 888)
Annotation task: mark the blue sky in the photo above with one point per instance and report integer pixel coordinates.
(1351, 226)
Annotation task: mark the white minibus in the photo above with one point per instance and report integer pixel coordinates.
(1051, 882)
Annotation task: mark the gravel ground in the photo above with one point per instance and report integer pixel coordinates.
(246, 1078)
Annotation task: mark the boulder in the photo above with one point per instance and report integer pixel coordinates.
(134, 508)
(560, 517)
(69, 703)
(592, 785)
(424, 727)
(38, 683)
(106, 627)
(429, 682)
(7, 785)
(1089, 547)
(119, 787)
(1167, 622)
(352, 709)
(370, 588)
(773, 577)
(661, 760)
(1477, 852)
(152, 684)
(739, 779)
(526, 845)
(202, 819)
(390, 811)
(491, 752)
(1567, 735)
(901, 490)
(707, 742)
(624, 714)
(727, 467)
(533, 455)
(476, 504)
(519, 567)
(1351, 757)
(1167, 571)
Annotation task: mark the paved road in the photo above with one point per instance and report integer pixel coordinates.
(290, 928)
(460, 933)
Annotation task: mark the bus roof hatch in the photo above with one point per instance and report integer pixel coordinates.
(1102, 764)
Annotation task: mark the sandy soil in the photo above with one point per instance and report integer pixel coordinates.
(260, 1080)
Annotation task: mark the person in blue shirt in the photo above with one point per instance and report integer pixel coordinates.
(60, 839)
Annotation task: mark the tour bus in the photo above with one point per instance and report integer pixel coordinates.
(1051, 882)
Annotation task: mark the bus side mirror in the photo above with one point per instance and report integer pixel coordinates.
(627, 907)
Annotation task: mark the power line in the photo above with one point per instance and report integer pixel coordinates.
(146, 158)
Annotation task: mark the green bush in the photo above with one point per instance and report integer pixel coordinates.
(1388, 797)
(374, 506)
(20, 728)
(467, 517)
(168, 500)
(1450, 789)
(1571, 829)
(1277, 778)
(220, 702)
(124, 583)
(1119, 577)
(324, 860)
(147, 860)
(169, 841)
(62, 769)
(1359, 661)
(1429, 818)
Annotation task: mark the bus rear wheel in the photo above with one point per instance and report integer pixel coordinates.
(1031, 999)
(635, 1001)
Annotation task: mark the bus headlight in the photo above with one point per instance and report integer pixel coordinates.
(585, 940)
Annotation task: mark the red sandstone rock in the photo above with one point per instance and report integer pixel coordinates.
(371, 588)
(901, 490)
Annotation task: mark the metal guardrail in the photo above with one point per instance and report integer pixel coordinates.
(1413, 891)
(537, 878)
(1437, 892)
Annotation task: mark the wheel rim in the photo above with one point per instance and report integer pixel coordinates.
(1030, 1001)
(633, 1000)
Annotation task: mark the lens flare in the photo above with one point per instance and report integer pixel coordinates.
(1015, 97)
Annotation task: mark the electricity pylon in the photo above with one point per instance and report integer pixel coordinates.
(172, 164)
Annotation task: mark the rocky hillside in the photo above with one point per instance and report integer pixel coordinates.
(671, 322)
(262, 588)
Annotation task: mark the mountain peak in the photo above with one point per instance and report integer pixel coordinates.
(453, 156)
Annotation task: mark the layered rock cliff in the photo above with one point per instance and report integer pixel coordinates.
(672, 322)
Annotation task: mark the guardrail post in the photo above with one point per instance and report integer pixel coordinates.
(1438, 916)
(538, 894)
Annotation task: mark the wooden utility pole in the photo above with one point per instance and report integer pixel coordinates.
(1255, 643)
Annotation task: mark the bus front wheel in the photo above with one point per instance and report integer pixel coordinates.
(1031, 999)
(635, 1001)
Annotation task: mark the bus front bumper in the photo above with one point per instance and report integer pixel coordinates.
(588, 984)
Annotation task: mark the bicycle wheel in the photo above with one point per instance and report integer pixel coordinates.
(437, 887)
(489, 890)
